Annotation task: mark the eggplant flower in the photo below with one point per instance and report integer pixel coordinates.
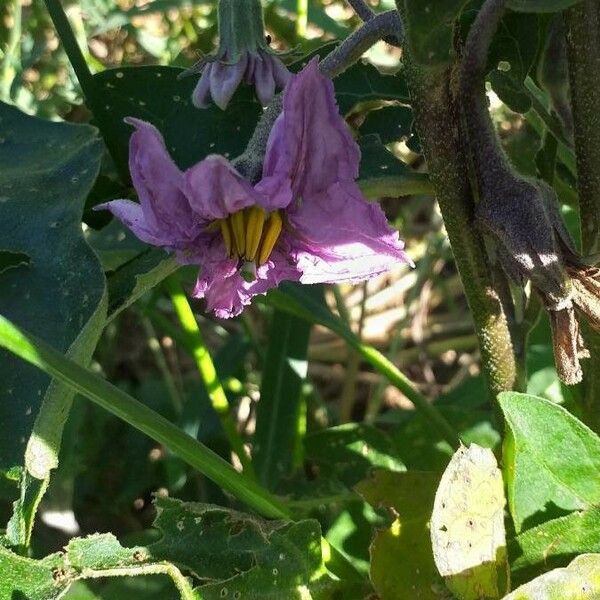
(305, 220)
(243, 55)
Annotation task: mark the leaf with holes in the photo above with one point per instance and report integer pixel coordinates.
(209, 552)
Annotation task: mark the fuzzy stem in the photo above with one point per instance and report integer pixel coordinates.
(583, 40)
(583, 21)
(362, 9)
(438, 121)
(490, 164)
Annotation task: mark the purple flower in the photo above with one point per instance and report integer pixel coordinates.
(305, 220)
(220, 78)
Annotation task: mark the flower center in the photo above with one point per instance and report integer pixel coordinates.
(251, 234)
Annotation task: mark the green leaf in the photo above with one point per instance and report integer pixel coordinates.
(554, 543)
(429, 29)
(223, 553)
(363, 82)
(46, 171)
(579, 581)
(348, 452)
(390, 123)
(134, 278)
(467, 526)
(279, 410)
(27, 579)
(382, 174)
(155, 94)
(540, 6)
(402, 566)
(551, 460)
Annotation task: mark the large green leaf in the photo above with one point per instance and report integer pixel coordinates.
(554, 543)
(402, 566)
(223, 553)
(579, 581)
(551, 460)
(279, 409)
(46, 171)
(156, 95)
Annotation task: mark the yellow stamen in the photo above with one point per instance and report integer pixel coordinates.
(226, 233)
(237, 225)
(270, 235)
(254, 229)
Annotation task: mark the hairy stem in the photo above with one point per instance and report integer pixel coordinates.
(583, 40)
(438, 122)
(362, 9)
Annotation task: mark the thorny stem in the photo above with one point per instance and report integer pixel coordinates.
(583, 42)
(438, 122)
(345, 55)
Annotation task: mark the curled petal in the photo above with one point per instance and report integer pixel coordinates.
(586, 286)
(343, 237)
(216, 190)
(164, 216)
(201, 93)
(227, 293)
(225, 79)
(310, 142)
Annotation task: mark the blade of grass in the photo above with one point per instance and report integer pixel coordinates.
(279, 408)
(141, 417)
(207, 371)
(294, 299)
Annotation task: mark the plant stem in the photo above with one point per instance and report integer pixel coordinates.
(362, 9)
(438, 122)
(583, 40)
(207, 371)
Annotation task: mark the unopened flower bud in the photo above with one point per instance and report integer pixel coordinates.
(243, 54)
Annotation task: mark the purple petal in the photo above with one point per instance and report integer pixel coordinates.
(164, 216)
(215, 189)
(310, 142)
(343, 237)
(225, 79)
(280, 73)
(227, 293)
(132, 216)
(263, 79)
(201, 93)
